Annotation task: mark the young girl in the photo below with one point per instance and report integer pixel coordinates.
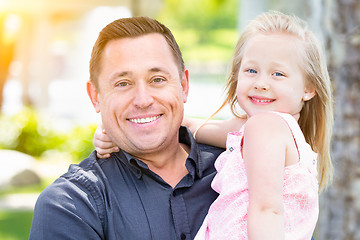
(267, 177)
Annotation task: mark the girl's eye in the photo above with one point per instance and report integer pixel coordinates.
(251, 70)
(278, 74)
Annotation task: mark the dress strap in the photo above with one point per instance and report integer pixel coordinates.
(306, 154)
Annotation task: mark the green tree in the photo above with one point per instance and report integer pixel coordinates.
(201, 15)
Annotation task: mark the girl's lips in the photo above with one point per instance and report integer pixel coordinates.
(261, 100)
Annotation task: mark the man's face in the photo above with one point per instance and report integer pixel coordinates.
(141, 95)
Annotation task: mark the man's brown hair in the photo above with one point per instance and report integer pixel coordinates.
(130, 28)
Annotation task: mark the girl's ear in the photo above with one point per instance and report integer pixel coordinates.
(309, 93)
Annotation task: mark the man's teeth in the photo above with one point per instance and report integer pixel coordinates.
(144, 120)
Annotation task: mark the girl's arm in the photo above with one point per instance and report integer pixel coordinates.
(266, 137)
(102, 143)
(213, 132)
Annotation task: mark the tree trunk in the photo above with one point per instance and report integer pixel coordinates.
(340, 204)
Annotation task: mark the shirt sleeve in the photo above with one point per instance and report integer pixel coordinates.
(66, 210)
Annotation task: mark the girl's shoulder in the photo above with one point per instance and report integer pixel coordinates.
(269, 125)
(269, 120)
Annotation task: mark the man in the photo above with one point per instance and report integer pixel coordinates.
(158, 185)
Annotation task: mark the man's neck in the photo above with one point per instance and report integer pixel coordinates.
(170, 165)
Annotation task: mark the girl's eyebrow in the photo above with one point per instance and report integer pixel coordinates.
(248, 61)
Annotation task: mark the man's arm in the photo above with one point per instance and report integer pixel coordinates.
(65, 211)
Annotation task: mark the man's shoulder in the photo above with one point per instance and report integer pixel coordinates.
(87, 170)
(82, 176)
(74, 199)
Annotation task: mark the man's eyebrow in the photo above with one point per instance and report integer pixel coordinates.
(129, 73)
(120, 74)
(158, 69)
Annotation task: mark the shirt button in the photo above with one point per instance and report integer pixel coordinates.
(231, 149)
(183, 236)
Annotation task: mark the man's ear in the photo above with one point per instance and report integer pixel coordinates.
(309, 93)
(185, 84)
(94, 95)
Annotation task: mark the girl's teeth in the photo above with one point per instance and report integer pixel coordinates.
(262, 101)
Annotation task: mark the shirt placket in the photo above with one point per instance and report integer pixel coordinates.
(179, 213)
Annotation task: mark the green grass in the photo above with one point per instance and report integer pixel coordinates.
(15, 225)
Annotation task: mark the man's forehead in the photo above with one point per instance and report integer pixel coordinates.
(151, 52)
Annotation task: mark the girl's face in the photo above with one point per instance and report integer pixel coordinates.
(270, 77)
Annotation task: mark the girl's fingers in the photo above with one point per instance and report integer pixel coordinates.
(101, 144)
(105, 152)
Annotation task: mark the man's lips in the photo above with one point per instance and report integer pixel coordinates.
(143, 120)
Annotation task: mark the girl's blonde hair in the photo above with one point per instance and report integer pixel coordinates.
(316, 116)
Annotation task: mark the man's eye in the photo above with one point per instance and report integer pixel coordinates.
(158, 80)
(122, 84)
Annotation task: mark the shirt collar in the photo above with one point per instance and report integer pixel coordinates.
(193, 162)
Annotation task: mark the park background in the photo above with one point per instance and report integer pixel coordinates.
(47, 121)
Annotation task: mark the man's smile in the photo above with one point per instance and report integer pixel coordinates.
(144, 120)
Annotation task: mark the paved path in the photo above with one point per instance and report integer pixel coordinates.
(18, 201)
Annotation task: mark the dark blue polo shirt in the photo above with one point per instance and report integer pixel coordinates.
(121, 198)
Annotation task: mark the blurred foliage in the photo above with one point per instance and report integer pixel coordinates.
(203, 15)
(29, 132)
(206, 30)
(219, 47)
(78, 142)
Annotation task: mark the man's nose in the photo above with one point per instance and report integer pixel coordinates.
(143, 97)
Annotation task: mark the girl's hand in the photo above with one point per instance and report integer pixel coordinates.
(103, 144)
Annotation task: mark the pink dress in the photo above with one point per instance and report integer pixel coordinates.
(227, 216)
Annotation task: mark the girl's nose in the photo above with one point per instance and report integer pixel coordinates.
(261, 85)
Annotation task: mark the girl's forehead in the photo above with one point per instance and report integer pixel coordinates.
(276, 45)
(277, 39)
